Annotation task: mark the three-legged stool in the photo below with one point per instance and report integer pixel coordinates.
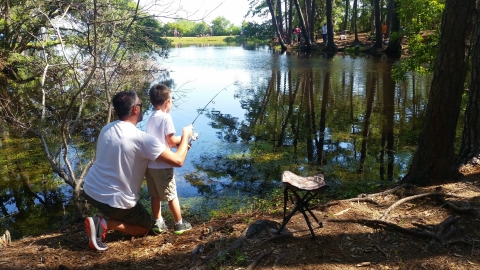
(310, 186)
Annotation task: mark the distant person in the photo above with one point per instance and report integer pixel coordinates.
(297, 33)
(384, 30)
(160, 177)
(324, 33)
(113, 183)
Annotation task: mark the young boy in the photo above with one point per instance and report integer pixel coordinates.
(160, 179)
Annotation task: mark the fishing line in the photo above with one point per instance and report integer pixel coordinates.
(211, 100)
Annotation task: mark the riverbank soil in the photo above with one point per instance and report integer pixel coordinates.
(402, 227)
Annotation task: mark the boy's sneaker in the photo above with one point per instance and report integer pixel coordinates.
(96, 231)
(159, 227)
(181, 228)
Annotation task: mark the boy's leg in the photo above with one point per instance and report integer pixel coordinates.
(153, 187)
(156, 205)
(174, 206)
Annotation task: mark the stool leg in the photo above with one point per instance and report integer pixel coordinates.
(287, 218)
(302, 202)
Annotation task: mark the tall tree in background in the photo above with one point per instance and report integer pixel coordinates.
(434, 160)
(378, 26)
(275, 25)
(347, 7)
(394, 47)
(355, 16)
(331, 46)
(278, 8)
(290, 21)
(470, 147)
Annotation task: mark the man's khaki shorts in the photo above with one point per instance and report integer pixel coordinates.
(161, 184)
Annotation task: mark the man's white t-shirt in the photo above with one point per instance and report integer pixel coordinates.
(160, 125)
(122, 156)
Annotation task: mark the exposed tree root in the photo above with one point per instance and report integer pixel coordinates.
(380, 224)
(257, 260)
(385, 214)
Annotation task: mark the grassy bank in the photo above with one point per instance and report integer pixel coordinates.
(213, 40)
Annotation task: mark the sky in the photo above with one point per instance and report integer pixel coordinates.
(232, 10)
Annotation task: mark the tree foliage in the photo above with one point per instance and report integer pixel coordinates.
(61, 62)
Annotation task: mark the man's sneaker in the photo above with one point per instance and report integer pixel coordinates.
(181, 228)
(159, 227)
(96, 231)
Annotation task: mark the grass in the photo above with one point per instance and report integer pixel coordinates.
(213, 40)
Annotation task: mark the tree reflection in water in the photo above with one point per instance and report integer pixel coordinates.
(348, 127)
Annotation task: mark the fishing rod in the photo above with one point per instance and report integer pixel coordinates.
(211, 100)
(194, 136)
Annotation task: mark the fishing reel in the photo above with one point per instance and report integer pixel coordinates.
(194, 137)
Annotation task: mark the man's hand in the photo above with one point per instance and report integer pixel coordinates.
(187, 130)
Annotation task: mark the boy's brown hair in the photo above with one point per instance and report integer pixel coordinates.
(159, 93)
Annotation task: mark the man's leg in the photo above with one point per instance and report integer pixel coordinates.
(135, 230)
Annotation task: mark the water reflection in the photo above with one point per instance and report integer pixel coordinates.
(356, 126)
(31, 199)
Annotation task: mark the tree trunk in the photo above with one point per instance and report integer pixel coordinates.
(347, 7)
(302, 24)
(394, 47)
(388, 21)
(434, 160)
(275, 25)
(307, 4)
(355, 11)
(280, 16)
(331, 46)
(288, 21)
(378, 26)
(470, 148)
(311, 20)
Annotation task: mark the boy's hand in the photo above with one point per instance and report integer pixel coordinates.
(187, 130)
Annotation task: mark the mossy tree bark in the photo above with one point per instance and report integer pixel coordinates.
(434, 160)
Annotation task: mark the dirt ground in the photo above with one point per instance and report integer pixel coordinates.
(431, 232)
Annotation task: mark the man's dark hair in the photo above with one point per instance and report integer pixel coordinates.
(123, 103)
(159, 93)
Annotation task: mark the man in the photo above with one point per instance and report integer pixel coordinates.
(324, 33)
(113, 182)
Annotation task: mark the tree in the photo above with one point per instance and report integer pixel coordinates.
(220, 26)
(378, 26)
(331, 46)
(434, 160)
(275, 25)
(470, 147)
(60, 91)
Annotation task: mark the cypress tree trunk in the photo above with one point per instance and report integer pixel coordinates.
(470, 148)
(434, 160)
(275, 25)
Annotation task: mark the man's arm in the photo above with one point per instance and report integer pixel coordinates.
(177, 158)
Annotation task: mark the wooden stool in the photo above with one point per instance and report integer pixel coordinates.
(311, 186)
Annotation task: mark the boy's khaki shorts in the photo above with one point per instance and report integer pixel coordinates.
(161, 184)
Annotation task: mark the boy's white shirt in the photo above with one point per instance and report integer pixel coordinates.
(160, 125)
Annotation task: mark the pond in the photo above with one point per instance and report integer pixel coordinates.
(259, 112)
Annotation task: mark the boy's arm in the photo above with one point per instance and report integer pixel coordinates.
(176, 159)
(173, 140)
